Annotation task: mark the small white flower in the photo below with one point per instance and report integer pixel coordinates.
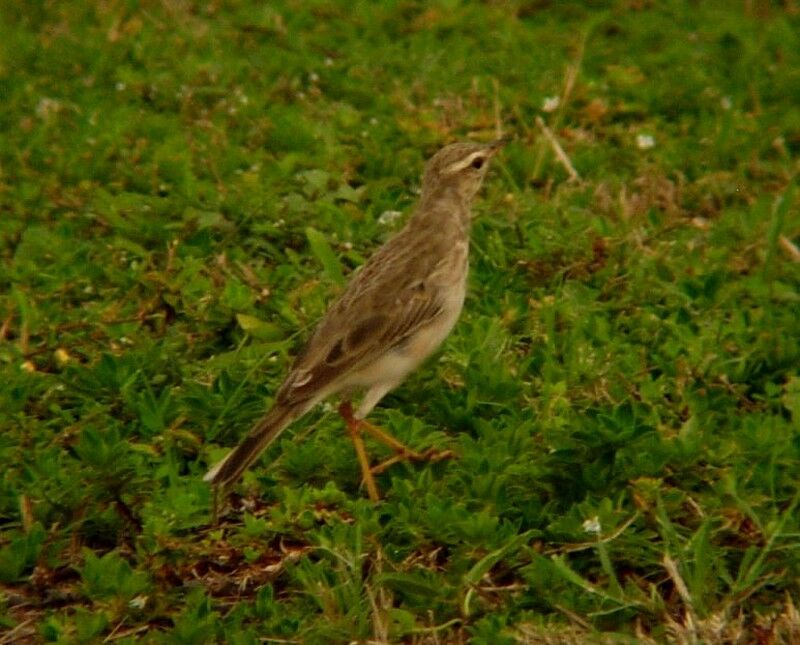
(313, 77)
(726, 103)
(47, 107)
(550, 103)
(387, 217)
(139, 602)
(592, 525)
(329, 62)
(645, 141)
(120, 86)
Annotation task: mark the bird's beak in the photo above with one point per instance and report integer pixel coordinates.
(497, 145)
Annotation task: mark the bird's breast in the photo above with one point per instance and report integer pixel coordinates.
(453, 288)
(449, 281)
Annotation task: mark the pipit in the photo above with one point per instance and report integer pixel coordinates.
(393, 314)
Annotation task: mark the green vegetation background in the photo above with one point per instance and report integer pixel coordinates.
(183, 186)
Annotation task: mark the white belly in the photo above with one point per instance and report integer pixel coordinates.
(396, 364)
(428, 339)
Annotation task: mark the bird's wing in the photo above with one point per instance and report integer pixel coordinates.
(399, 291)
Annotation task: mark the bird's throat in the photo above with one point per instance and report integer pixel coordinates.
(442, 208)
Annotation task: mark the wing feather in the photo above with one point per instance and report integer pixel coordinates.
(395, 294)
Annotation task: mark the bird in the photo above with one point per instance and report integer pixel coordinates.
(394, 313)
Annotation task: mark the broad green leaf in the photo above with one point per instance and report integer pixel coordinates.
(323, 252)
(258, 328)
(484, 565)
(412, 584)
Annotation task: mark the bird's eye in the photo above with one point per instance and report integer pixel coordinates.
(477, 163)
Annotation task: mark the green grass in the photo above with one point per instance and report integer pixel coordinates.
(183, 188)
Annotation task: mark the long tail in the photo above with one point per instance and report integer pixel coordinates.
(267, 429)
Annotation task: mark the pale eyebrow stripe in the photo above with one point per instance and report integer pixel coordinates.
(460, 165)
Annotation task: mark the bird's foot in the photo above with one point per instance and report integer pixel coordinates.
(354, 426)
(431, 454)
(402, 451)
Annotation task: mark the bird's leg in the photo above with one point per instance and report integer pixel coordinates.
(402, 450)
(431, 454)
(404, 453)
(354, 427)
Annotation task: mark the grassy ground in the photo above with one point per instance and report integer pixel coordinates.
(184, 186)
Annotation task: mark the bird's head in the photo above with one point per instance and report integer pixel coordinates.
(459, 168)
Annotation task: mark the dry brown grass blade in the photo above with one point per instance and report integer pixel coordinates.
(558, 150)
(790, 248)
